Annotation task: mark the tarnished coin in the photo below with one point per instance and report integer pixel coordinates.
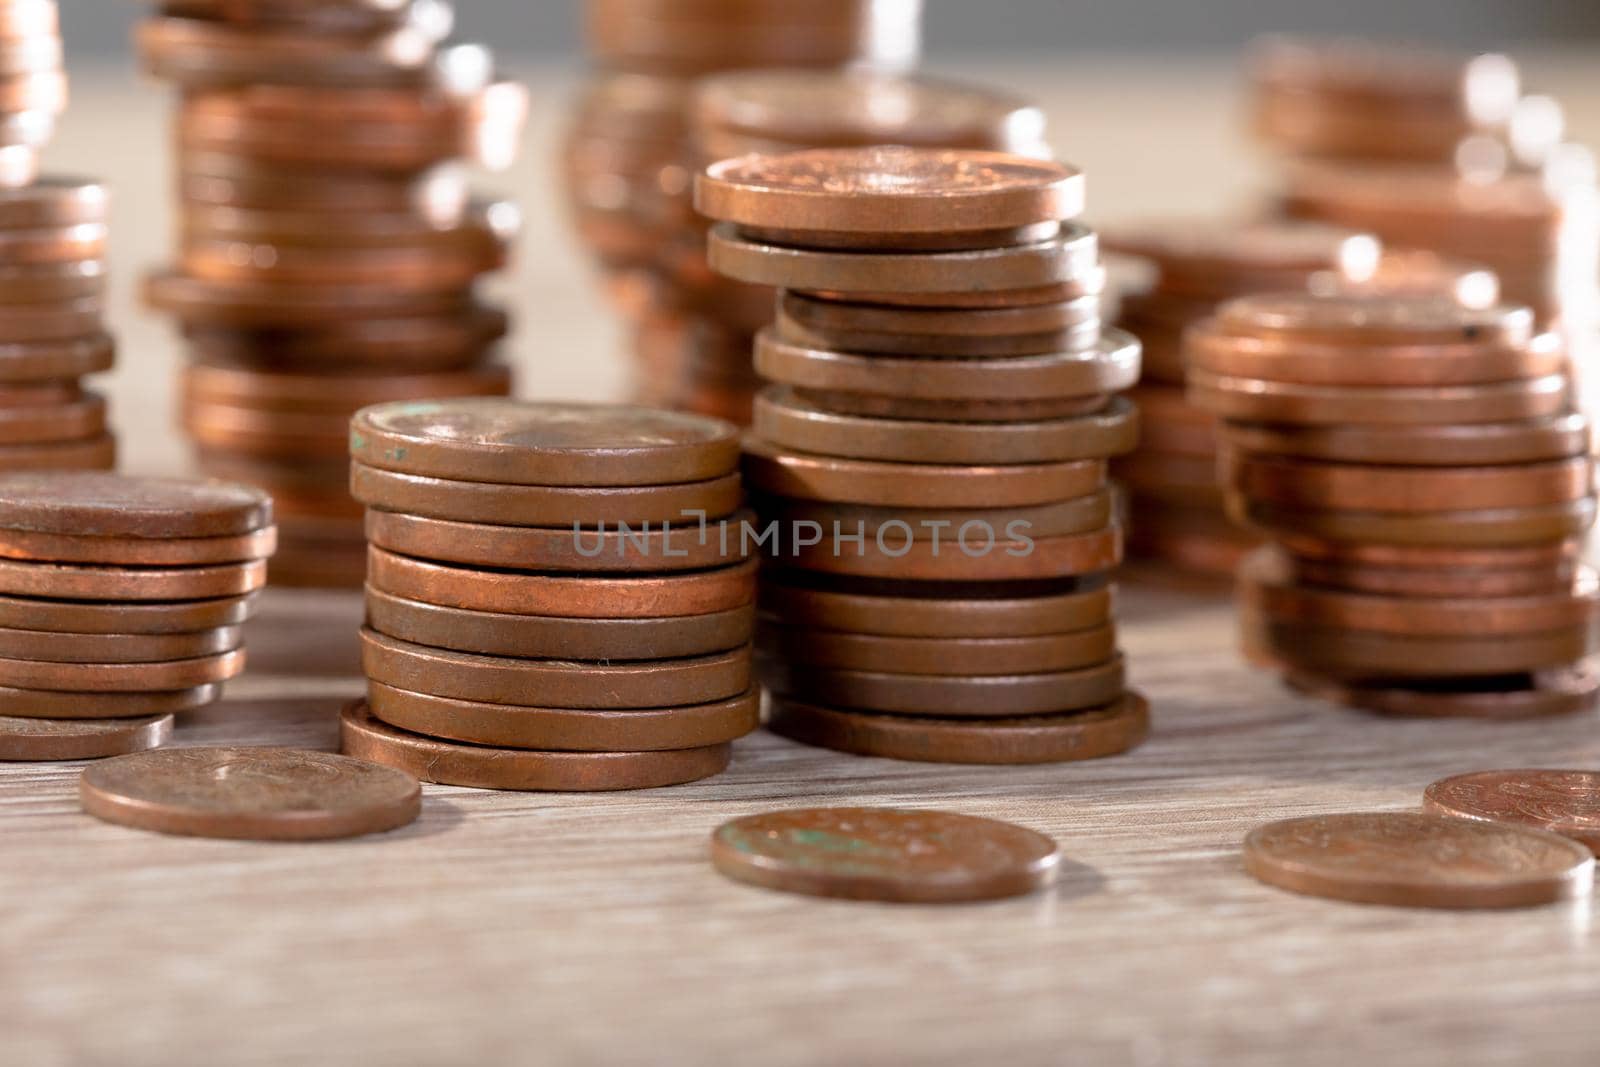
(942, 696)
(1425, 861)
(1563, 691)
(39, 740)
(1409, 490)
(76, 581)
(114, 505)
(53, 202)
(122, 677)
(1079, 735)
(1444, 445)
(48, 647)
(887, 854)
(454, 763)
(43, 361)
(1562, 802)
(70, 704)
(916, 610)
(888, 189)
(174, 617)
(1525, 526)
(257, 794)
(521, 443)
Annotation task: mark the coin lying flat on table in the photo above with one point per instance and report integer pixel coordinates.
(885, 854)
(259, 794)
(1562, 802)
(1426, 861)
(38, 740)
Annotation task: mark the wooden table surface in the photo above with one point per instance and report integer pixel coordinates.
(505, 928)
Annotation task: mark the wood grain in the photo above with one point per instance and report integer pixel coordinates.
(509, 929)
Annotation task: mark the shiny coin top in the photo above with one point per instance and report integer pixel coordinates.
(1563, 802)
(266, 794)
(889, 190)
(885, 854)
(97, 503)
(1411, 860)
(1427, 320)
(519, 443)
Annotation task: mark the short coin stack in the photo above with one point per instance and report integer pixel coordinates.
(121, 601)
(1426, 484)
(329, 245)
(35, 82)
(1174, 499)
(929, 462)
(559, 596)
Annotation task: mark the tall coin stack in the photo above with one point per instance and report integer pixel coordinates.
(929, 461)
(560, 597)
(630, 156)
(329, 245)
(1175, 511)
(52, 266)
(121, 602)
(1425, 484)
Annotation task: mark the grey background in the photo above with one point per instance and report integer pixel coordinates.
(550, 28)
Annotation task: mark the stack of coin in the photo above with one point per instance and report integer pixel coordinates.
(559, 596)
(1426, 485)
(35, 85)
(929, 460)
(1174, 500)
(121, 601)
(329, 246)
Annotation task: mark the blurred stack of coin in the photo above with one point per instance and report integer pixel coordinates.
(1174, 500)
(329, 245)
(1426, 485)
(35, 85)
(121, 601)
(559, 596)
(929, 460)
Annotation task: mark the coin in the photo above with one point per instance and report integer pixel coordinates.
(540, 505)
(1562, 802)
(1080, 735)
(789, 421)
(856, 317)
(40, 740)
(97, 453)
(566, 729)
(912, 610)
(183, 616)
(1362, 487)
(1228, 247)
(1408, 860)
(888, 189)
(452, 763)
(48, 647)
(53, 202)
(1241, 356)
(255, 794)
(69, 581)
(559, 683)
(1397, 320)
(514, 442)
(1546, 580)
(1257, 400)
(888, 854)
(561, 596)
(71, 704)
(953, 410)
(122, 677)
(1477, 444)
(1562, 691)
(964, 656)
(1091, 282)
(1372, 655)
(943, 346)
(1557, 522)
(113, 505)
(953, 697)
(199, 300)
(140, 551)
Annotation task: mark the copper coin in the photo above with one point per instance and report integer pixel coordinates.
(1544, 580)
(1208, 552)
(539, 505)
(894, 526)
(73, 421)
(68, 581)
(1564, 691)
(1526, 526)
(63, 321)
(1109, 367)
(887, 854)
(410, 269)
(566, 729)
(453, 763)
(40, 740)
(910, 611)
(122, 677)
(63, 616)
(939, 655)
(1304, 483)
(837, 316)
(46, 361)
(888, 189)
(47, 647)
(1377, 319)
(927, 241)
(942, 346)
(774, 470)
(515, 593)
(541, 637)
(1253, 399)
(1092, 282)
(45, 283)
(1479, 444)
(95, 454)
(1554, 556)
(1081, 735)
(71, 704)
(1372, 654)
(976, 553)
(53, 202)
(1067, 258)
(197, 300)
(53, 244)
(943, 696)
(1426, 861)
(1561, 802)
(789, 421)
(253, 794)
(121, 506)
(137, 551)
(953, 410)
(559, 683)
(663, 547)
(548, 444)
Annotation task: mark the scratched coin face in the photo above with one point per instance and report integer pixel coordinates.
(885, 854)
(251, 793)
(1408, 859)
(1563, 802)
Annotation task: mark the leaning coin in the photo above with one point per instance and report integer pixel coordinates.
(1562, 802)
